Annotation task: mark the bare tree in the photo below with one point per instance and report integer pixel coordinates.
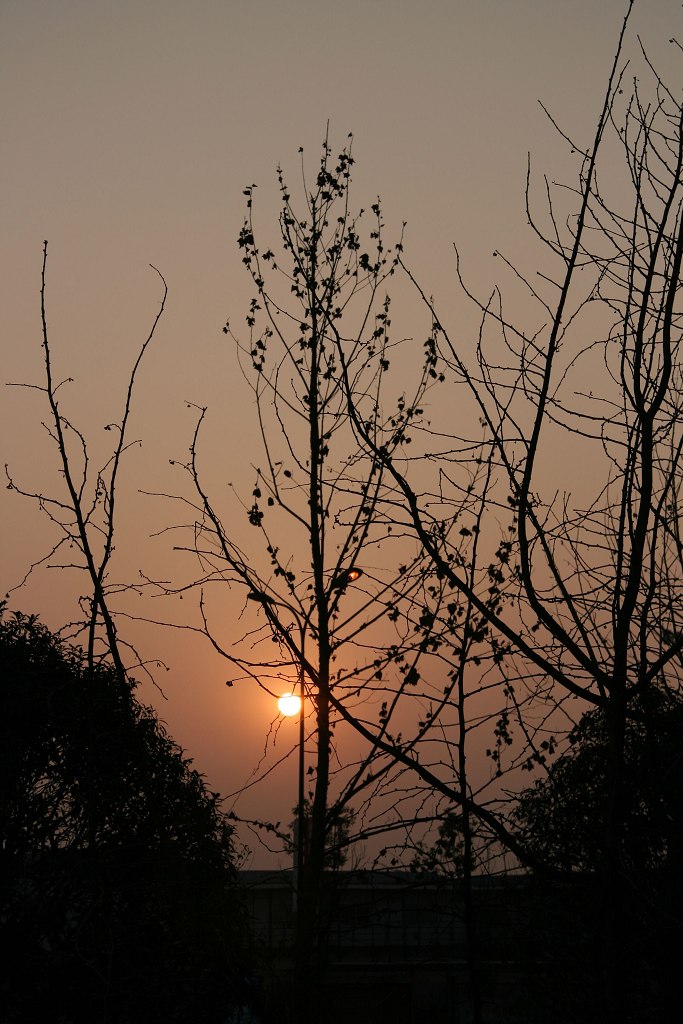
(85, 515)
(328, 572)
(596, 620)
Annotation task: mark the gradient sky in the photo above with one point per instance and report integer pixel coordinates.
(129, 130)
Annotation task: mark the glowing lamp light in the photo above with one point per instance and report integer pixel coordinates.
(289, 705)
(342, 581)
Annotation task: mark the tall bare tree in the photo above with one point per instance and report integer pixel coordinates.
(328, 571)
(593, 386)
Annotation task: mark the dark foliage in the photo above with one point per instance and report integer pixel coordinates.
(564, 822)
(563, 815)
(119, 900)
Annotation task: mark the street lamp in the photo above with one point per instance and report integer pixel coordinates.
(289, 704)
(345, 577)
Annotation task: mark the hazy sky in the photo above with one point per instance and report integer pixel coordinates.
(129, 130)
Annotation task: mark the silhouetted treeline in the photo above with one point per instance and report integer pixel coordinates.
(119, 899)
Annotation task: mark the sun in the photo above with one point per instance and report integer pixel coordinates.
(289, 705)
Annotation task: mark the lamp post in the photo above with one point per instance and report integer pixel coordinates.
(287, 706)
(299, 865)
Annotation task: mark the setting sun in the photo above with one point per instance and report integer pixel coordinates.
(289, 705)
